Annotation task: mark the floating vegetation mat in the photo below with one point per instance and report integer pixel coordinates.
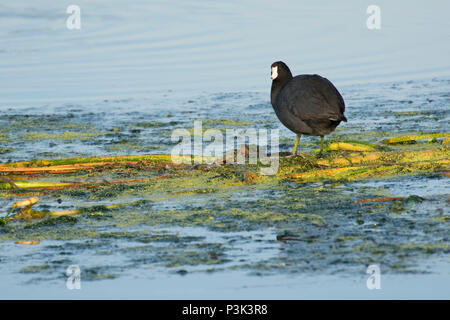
(356, 205)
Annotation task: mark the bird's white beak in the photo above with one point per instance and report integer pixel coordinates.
(274, 74)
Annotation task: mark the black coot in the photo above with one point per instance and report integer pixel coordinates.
(306, 104)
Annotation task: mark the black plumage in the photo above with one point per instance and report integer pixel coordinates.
(305, 104)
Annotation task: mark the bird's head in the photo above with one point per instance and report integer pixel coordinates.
(280, 71)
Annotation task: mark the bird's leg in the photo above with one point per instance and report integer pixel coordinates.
(297, 140)
(321, 145)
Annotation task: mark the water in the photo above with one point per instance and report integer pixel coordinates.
(138, 69)
(138, 48)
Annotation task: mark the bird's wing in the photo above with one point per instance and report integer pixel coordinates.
(339, 100)
(311, 97)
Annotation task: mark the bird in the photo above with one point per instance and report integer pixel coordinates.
(306, 104)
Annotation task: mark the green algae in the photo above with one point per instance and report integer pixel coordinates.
(4, 138)
(413, 113)
(194, 258)
(226, 122)
(445, 218)
(7, 150)
(68, 220)
(426, 248)
(96, 273)
(68, 135)
(405, 204)
(78, 126)
(156, 124)
(37, 269)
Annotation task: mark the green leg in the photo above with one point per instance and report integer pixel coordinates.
(297, 141)
(321, 145)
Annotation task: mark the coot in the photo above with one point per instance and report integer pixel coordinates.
(306, 104)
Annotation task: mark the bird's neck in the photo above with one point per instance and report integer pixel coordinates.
(277, 85)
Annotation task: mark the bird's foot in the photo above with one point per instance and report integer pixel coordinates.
(320, 154)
